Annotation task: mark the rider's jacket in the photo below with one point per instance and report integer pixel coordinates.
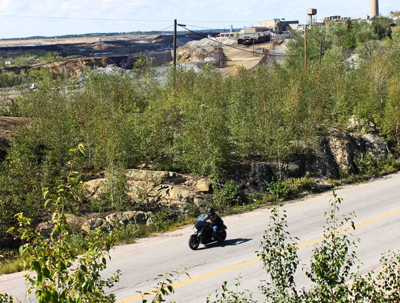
(216, 220)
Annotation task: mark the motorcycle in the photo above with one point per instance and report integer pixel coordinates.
(203, 233)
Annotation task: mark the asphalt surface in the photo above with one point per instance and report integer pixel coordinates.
(377, 205)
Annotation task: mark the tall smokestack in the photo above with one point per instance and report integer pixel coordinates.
(374, 8)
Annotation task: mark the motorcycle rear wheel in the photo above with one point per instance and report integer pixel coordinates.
(194, 242)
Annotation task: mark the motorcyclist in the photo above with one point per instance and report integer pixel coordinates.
(216, 221)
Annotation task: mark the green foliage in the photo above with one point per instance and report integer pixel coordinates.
(332, 259)
(279, 189)
(56, 276)
(366, 165)
(164, 287)
(10, 261)
(226, 295)
(142, 61)
(5, 298)
(349, 41)
(115, 197)
(330, 268)
(198, 123)
(227, 195)
(278, 252)
(382, 286)
(388, 164)
(9, 79)
(381, 27)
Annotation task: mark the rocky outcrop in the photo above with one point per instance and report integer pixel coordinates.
(163, 187)
(322, 163)
(129, 217)
(95, 223)
(343, 148)
(331, 155)
(345, 144)
(117, 219)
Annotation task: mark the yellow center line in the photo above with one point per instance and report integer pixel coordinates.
(255, 260)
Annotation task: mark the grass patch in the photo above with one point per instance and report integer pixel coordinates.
(11, 266)
(10, 261)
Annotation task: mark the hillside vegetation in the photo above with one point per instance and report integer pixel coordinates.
(200, 123)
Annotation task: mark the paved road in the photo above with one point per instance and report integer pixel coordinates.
(377, 205)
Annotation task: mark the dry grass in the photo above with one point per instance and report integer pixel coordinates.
(11, 266)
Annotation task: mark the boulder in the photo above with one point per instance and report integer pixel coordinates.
(287, 169)
(322, 163)
(95, 188)
(343, 147)
(199, 202)
(202, 186)
(252, 175)
(148, 175)
(75, 222)
(375, 145)
(45, 229)
(95, 223)
(128, 217)
(117, 218)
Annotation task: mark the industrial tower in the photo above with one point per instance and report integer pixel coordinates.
(374, 8)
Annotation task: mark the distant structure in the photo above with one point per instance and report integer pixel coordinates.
(336, 18)
(374, 8)
(277, 25)
(311, 12)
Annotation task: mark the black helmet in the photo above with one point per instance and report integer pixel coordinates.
(211, 210)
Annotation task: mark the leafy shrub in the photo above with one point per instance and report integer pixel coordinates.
(279, 189)
(388, 164)
(53, 260)
(297, 185)
(9, 80)
(227, 195)
(366, 165)
(330, 269)
(5, 298)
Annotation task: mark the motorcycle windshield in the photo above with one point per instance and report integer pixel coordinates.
(201, 221)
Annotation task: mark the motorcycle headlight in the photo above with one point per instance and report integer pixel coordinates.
(195, 229)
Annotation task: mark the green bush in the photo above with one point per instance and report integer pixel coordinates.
(388, 164)
(279, 189)
(10, 79)
(297, 185)
(366, 165)
(227, 195)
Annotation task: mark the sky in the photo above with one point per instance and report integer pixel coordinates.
(145, 15)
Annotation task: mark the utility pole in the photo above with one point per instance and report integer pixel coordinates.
(253, 47)
(305, 48)
(175, 29)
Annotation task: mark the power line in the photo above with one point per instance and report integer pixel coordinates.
(121, 19)
(153, 32)
(202, 27)
(83, 18)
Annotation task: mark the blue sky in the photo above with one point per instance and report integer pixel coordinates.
(219, 14)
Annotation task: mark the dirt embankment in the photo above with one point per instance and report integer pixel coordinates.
(63, 66)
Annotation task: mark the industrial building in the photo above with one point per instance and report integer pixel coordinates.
(254, 35)
(277, 25)
(251, 30)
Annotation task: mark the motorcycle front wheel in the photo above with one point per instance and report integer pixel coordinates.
(222, 236)
(194, 242)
